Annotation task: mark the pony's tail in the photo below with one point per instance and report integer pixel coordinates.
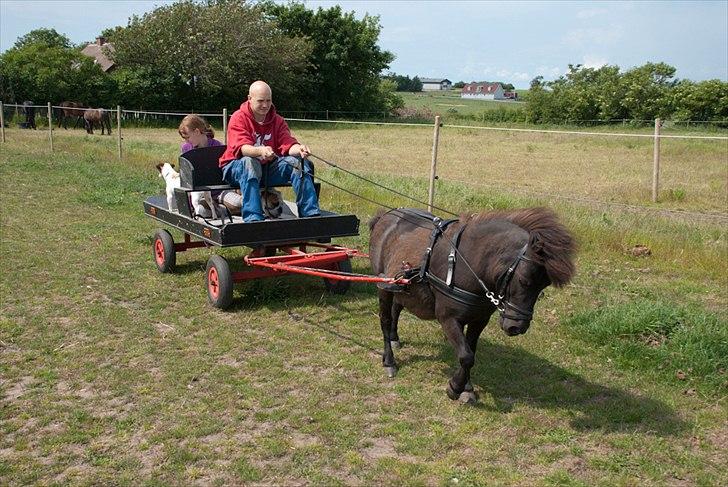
(376, 218)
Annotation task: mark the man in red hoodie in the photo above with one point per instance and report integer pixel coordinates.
(258, 139)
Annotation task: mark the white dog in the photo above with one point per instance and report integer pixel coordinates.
(171, 178)
(198, 198)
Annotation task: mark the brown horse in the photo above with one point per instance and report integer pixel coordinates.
(467, 269)
(94, 116)
(70, 109)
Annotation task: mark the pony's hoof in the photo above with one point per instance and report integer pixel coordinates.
(391, 371)
(451, 393)
(468, 397)
(395, 344)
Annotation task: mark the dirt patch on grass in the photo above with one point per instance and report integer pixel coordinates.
(384, 448)
(17, 390)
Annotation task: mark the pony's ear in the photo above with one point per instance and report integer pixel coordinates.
(159, 166)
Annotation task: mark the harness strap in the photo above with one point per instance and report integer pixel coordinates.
(452, 257)
(439, 229)
(459, 295)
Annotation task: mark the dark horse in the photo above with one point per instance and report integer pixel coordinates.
(94, 116)
(70, 109)
(463, 270)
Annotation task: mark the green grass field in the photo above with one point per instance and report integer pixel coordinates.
(112, 373)
(448, 103)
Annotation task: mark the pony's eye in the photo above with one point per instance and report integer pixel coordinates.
(541, 295)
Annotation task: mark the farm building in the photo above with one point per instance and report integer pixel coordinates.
(435, 84)
(95, 50)
(487, 91)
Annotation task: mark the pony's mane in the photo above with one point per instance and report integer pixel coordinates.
(556, 246)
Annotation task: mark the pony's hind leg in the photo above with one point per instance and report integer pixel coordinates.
(394, 334)
(386, 301)
(457, 387)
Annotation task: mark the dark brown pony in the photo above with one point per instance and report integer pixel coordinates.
(513, 255)
(72, 110)
(99, 116)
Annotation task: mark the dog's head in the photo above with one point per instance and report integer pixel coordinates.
(272, 202)
(166, 170)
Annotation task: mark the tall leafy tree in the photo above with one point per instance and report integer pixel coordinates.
(206, 54)
(43, 37)
(346, 61)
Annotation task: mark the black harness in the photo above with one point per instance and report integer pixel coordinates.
(449, 290)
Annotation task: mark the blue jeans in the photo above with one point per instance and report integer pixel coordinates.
(247, 172)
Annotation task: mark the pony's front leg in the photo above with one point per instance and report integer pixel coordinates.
(394, 334)
(459, 383)
(386, 300)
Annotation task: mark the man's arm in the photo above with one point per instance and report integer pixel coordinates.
(261, 152)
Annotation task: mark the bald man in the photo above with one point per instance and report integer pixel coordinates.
(258, 139)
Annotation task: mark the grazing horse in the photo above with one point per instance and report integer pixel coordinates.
(94, 116)
(70, 109)
(462, 271)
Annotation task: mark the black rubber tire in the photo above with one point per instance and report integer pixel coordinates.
(219, 282)
(163, 253)
(339, 287)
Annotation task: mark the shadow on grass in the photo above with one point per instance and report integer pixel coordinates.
(511, 375)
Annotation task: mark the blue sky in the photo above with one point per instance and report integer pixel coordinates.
(472, 40)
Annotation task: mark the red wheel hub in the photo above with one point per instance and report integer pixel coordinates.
(159, 251)
(213, 283)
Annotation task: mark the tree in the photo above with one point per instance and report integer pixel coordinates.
(43, 37)
(207, 54)
(42, 67)
(646, 91)
(459, 84)
(707, 100)
(346, 61)
(405, 83)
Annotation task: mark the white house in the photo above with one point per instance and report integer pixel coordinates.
(435, 84)
(486, 91)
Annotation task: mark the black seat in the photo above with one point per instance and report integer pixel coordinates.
(199, 170)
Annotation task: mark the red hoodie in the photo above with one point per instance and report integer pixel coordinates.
(244, 130)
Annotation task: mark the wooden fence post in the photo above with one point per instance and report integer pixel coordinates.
(2, 123)
(118, 128)
(433, 166)
(224, 124)
(50, 124)
(656, 162)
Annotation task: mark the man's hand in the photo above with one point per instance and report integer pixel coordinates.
(302, 150)
(266, 153)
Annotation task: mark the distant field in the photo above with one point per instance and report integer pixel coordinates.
(449, 102)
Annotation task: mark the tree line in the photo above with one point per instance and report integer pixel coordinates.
(642, 93)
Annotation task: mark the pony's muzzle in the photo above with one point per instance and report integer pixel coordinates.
(514, 327)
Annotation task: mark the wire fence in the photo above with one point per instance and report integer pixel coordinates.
(44, 117)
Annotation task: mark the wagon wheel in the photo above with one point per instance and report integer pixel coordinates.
(335, 286)
(163, 251)
(219, 282)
